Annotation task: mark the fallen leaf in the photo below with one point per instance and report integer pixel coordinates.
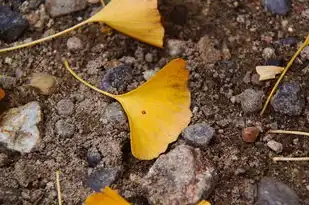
(204, 203)
(106, 197)
(157, 111)
(268, 72)
(139, 19)
(2, 94)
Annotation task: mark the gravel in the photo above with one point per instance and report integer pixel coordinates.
(65, 128)
(65, 107)
(275, 146)
(199, 134)
(101, 178)
(273, 192)
(280, 7)
(251, 100)
(179, 177)
(12, 24)
(74, 44)
(288, 100)
(59, 7)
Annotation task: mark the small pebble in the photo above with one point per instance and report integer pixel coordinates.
(93, 157)
(275, 146)
(44, 82)
(175, 47)
(251, 100)
(305, 54)
(102, 178)
(114, 113)
(12, 24)
(65, 128)
(208, 51)
(149, 57)
(280, 7)
(268, 53)
(149, 74)
(305, 14)
(199, 134)
(65, 107)
(74, 44)
(290, 41)
(250, 134)
(274, 62)
(59, 7)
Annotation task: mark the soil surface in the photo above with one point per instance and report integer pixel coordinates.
(243, 29)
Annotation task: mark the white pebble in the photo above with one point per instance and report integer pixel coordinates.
(275, 146)
(74, 43)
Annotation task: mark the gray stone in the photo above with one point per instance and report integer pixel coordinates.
(114, 113)
(305, 54)
(59, 7)
(268, 53)
(288, 100)
(251, 100)
(207, 50)
(149, 57)
(280, 7)
(65, 128)
(175, 47)
(117, 79)
(273, 192)
(199, 134)
(65, 107)
(12, 24)
(74, 44)
(93, 157)
(181, 176)
(102, 178)
(275, 146)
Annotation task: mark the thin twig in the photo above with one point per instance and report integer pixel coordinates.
(306, 43)
(276, 159)
(289, 132)
(103, 3)
(58, 188)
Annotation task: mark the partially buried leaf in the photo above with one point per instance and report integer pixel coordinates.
(2, 94)
(268, 72)
(157, 111)
(106, 197)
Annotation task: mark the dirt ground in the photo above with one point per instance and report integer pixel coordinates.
(244, 27)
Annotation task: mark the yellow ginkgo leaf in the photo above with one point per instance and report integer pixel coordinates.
(139, 19)
(106, 197)
(268, 72)
(204, 203)
(157, 111)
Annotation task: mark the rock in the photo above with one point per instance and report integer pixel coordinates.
(275, 146)
(12, 24)
(25, 172)
(250, 134)
(268, 53)
(274, 62)
(273, 192)
(305, 14)
(65, 128)
(3, 159)
(102, 178)
(18, 129)
(305, 54)
(179, 14)
(114, 113)
(280, 7)
(8, 82)
(93, 157)
(149, 57)
(290, 41)
(181, 176)
(65, 107)
(149, 74)
(59, 7)
(288, 100)
(208, 52)
(175, 47)
(44, 82)
(199, 134)
(251, 100)
(74, 44)
(117, 79)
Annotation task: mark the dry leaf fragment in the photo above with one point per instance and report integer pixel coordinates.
(44, 82)
(268, 72)
(157, 111)
(139, 19)
(2, 94)
(204, 202)
(106, 197)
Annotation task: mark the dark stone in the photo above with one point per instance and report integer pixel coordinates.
(93, 157)
(290, 41)
(288, 100)
(273, 192)
(280, 7)
(274, 62)
(117, 79)
(102, 178)
(12, 24)
(179, 15)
